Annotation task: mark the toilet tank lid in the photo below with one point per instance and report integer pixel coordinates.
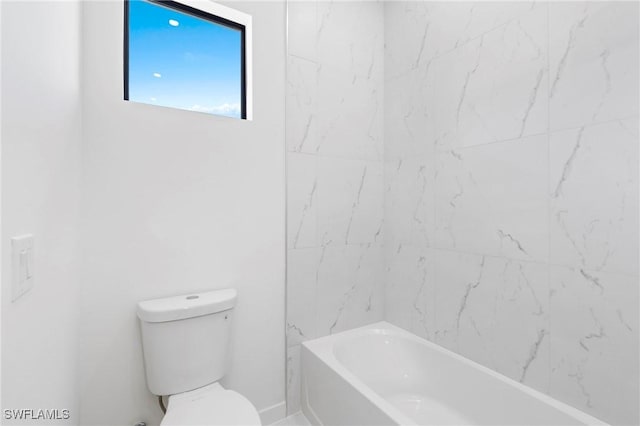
(186, 306)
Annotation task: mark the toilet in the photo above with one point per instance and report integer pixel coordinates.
(185, 342)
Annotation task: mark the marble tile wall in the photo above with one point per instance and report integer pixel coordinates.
(335, 173)
(511, 190)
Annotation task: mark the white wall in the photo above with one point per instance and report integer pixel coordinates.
(1, 215)
(179, 202)
(334, 173)
(41, 152)
(511, 211)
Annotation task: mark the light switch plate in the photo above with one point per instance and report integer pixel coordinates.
(22, 265)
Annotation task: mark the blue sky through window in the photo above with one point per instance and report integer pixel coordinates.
(182, 61)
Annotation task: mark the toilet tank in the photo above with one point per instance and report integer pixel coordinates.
(185, 340)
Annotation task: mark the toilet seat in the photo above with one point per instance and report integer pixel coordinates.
(210, 405)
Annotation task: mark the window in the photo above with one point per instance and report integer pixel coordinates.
(180, 56)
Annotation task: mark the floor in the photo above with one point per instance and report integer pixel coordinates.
(297, 419)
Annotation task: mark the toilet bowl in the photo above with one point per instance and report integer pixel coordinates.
(185, 342)
(210, 405)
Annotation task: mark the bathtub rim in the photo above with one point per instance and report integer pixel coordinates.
(323, 349)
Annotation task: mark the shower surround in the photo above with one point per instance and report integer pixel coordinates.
(335, 183)
(509, 226)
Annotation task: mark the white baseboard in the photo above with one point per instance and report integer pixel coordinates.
(274, 413)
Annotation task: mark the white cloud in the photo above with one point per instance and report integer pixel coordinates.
(224, 109)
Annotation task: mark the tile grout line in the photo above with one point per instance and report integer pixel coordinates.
(548, 381)
(547, 132)
(528, 261)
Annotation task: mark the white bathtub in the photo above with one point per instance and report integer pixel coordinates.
(383, 375)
